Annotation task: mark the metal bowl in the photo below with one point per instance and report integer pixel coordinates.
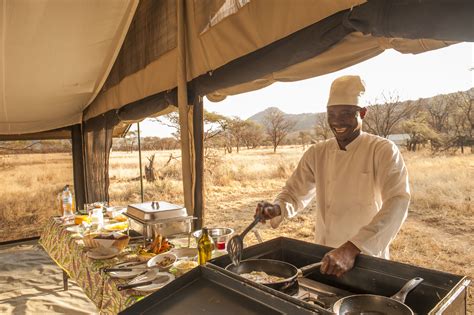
(218, 235)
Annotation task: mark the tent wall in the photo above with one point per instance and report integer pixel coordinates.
(97, 137)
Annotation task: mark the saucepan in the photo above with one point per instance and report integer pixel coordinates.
(282, 269)
(377, 304)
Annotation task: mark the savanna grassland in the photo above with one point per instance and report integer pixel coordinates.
(438, 234)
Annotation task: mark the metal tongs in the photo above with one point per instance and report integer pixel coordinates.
(236, 243)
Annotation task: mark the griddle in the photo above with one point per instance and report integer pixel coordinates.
(205, 290)
(440, 291)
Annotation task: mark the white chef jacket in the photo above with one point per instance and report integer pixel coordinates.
(362, 193)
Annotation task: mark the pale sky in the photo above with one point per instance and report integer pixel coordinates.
(427, 74)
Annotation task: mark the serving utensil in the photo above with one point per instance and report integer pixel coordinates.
(236, 243)
(130, 266)
(148, 278)
(129, 269)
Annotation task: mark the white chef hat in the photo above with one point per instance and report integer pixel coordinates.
(346, 90)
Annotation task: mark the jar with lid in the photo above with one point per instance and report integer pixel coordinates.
(205, 247)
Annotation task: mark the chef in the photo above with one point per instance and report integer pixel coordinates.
(360, 182)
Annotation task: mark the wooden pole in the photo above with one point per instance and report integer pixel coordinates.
(78, 166)
(198, 126)
(140, 160)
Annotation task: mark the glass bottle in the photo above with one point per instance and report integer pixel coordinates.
(205, 247)
(67, 202)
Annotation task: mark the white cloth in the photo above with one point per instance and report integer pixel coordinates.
(362, 194)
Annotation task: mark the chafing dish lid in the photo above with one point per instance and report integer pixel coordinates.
(156, 210)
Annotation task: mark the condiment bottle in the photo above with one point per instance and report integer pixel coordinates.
(205, 247)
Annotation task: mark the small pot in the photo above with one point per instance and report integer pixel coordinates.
(377, 304)
(277, 268)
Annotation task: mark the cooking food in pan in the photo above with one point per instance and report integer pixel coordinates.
(261, 277)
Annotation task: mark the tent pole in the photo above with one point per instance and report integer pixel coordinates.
(140, 160)
(198, 126)
(78, 166)
(185, 113)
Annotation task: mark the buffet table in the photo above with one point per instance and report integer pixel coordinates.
(69, 253)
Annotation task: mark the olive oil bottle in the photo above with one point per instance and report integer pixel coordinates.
(205, 246)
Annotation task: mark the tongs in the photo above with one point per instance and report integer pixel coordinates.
(146, 279)
(236, 243)
(132, 266)
(127, 269)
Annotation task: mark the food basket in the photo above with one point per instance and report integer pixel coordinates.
(106, 240)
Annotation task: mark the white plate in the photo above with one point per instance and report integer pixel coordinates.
(153, 276)
(185, 253)
(96, 254)
(126, 274)
(154, 262)
(74, 229)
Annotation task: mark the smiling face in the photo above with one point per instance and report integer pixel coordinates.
(345, 122)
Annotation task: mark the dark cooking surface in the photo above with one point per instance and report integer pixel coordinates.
(370, 275)
(211, 289)
(207, 291)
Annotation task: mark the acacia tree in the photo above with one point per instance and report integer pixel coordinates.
(322, 128)
(419, 131)
(277, 126)
(438, 109)
(382, 119)
(304, 137)
(130, 139)
(462, 119)
(214, 124)
(252, 134)
(236, 129)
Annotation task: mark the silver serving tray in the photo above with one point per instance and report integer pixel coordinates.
(156, 211)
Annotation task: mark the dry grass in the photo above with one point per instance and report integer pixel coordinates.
(438, 234)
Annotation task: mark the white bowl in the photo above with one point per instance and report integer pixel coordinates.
(183, 266)
(163, 261)
(185, 253)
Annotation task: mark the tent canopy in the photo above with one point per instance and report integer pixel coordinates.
(60, 58)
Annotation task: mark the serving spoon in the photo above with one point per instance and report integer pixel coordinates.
(236, 243)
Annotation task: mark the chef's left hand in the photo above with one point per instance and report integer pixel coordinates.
(340, 260)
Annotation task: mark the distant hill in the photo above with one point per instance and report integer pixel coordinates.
(305, 121)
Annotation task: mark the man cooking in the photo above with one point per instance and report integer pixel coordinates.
(360, 182)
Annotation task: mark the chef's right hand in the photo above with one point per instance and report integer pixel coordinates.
(267, 211)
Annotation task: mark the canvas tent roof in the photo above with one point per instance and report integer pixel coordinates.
(56, 55)
(104, 64)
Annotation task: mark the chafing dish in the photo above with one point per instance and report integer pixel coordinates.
(159, 217)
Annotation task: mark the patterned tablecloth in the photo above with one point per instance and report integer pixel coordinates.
(68, 251)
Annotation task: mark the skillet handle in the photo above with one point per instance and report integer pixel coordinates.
(401, 295)
(306, 270)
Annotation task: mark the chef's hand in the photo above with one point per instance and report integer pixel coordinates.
(267, 210)
(340, 260)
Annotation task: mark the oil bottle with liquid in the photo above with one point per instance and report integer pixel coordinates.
(205, 247)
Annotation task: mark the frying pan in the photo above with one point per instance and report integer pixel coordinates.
(377, 304)
(282, 269)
